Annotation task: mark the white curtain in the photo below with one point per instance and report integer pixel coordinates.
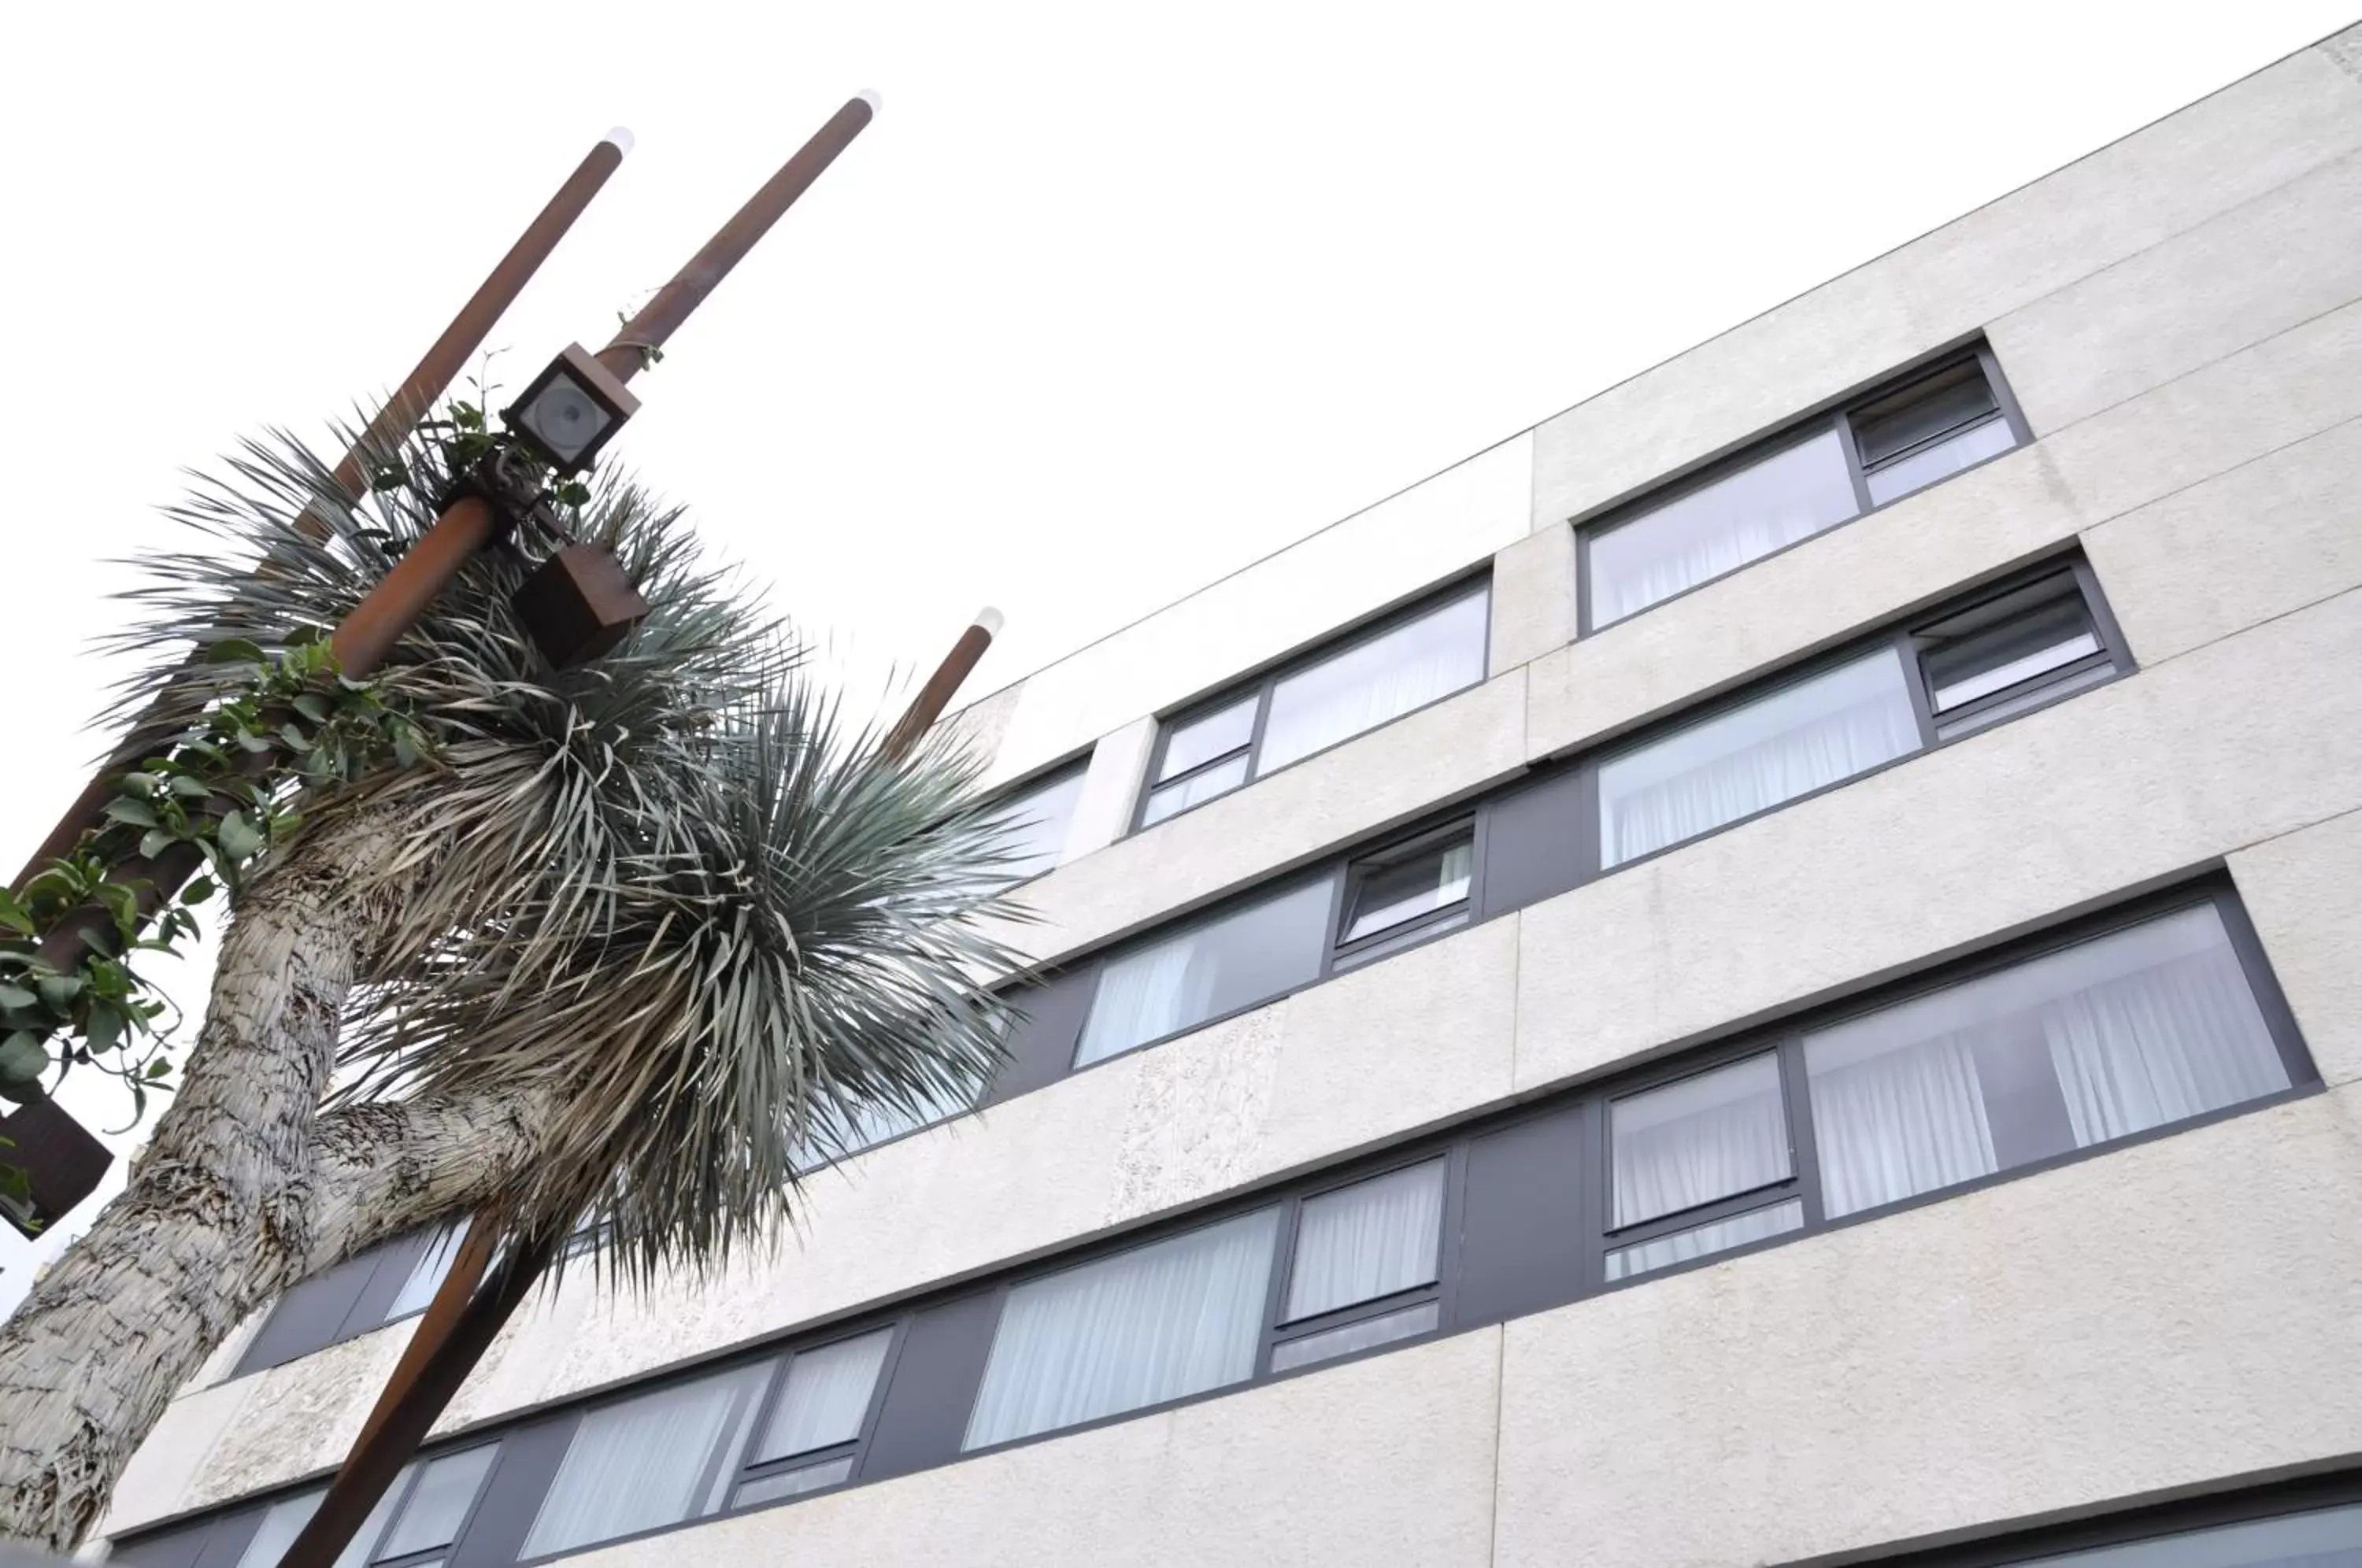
(1898, 1122)
(1699, 1240)
(432, 1514)
(826, 1397)
(1797, 739)
(2171, 1041)
(1167, 799)
(657, 1459)
(1364, 686)
(1365, 1241)
(1149, 993)
(1790, 495)
(1176, 1318)
(1703, 1138)
(286, 1519)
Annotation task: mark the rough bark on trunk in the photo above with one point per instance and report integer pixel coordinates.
(216, 1216)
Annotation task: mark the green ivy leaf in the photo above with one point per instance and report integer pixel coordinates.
(18, 996)
(104, 1031)
(405, 750)
(138, 814)
(23, 1058)
(143, 784)
(238, 837)
(234, 650)
(59, 990)
(154, 841)
(198, 891)
(294, 738)
(312, 705)
(13, 915)
(189, 787)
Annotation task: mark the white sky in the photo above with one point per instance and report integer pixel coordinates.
(1109, 301)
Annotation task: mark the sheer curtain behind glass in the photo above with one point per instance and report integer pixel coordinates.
(2130, 1031)
(1780, 745)
(826, 1397)
(1176, 1318)
(1790, 495)
(438, 1505)
(655, 1460)
(2321, 1538)
(1233, 962)
(1698, 1139)
(1366, 1241)
(286, 1519)
(1363, 686)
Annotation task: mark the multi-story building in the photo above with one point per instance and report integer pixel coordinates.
(1768, 970)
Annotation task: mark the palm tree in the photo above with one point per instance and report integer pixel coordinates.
(633, 936)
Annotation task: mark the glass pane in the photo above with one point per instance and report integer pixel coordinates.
(794, 1482)
(1167, 799)
(1950, 401)
(655, 1460)
(358, 1553)
(1790, 495)
(826, 1397)
(1330, 1344)
(1366, 1241)
(1201, 740)
(1180, 1317)
(2113, 1036)
(1943, 461)
(1371, 682)
(435, 1508)
(1038, 820)
(281, 1524)
(426, 1274)
(1386, 896)
(1703, 1138)
(1240, 959)
(2327, 1537)
(1715, 1236)
(843, 1130)
(2014, 638)
(1780, 745)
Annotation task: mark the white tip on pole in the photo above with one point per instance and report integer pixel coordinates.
(869, 96)
(622, 139)
(989, 619)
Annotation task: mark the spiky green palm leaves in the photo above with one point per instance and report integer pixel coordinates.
(676, 903)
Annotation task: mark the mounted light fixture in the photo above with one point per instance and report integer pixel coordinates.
(571, 410)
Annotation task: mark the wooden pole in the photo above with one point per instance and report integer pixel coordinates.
(443, 360)
(462, 1321)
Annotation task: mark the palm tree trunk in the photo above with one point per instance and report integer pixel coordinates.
(216, 1215)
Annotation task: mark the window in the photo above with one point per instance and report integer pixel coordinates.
(1686, 1147)
(1038, 816)
(412, 1525)
(1834, 469)
(2311, 1523)
(809, 1442)
(2003, 654)
(1336, 695)
(846, 1128)
(2135, 1030)
(1408, 892)
(1247, 956)
(1374, 1243)
(653, 1459)
(2324, 1538)
(1170, 1318)
(426, 1274)
(1787, 742)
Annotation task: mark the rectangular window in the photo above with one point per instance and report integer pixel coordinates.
(807, 1443)
(1709, 1136)
(2114, 1036)
(427, 1273)
(1407, 892)
(1702, 1241)
(1226, 963)
(1790, 741)
(1800, 484)
(1376, 1243)
(1336, 695)
(1037, 818)
(2003, 655)
(412, 1525)
(1170, 1318)
(2320, 1537)
(657, 1459)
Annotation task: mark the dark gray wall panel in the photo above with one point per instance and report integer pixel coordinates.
(495, 1534)
(1533, 843)
(1042, 1045)
(1522, 1235)
(309, 1316)
(934, 1386)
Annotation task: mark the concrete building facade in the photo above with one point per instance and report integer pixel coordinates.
(1768, 971)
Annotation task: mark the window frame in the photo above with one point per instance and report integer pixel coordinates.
(1835, 413)
(1260, 688)
(417, 1471)
(1576, 1154)
(1077, 767)
(2028, 1547)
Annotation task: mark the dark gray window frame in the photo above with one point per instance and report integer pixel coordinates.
(1833, 414)
(1580, 773)
(2140, 1522)
(1568, 1161)
(1260, 688)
